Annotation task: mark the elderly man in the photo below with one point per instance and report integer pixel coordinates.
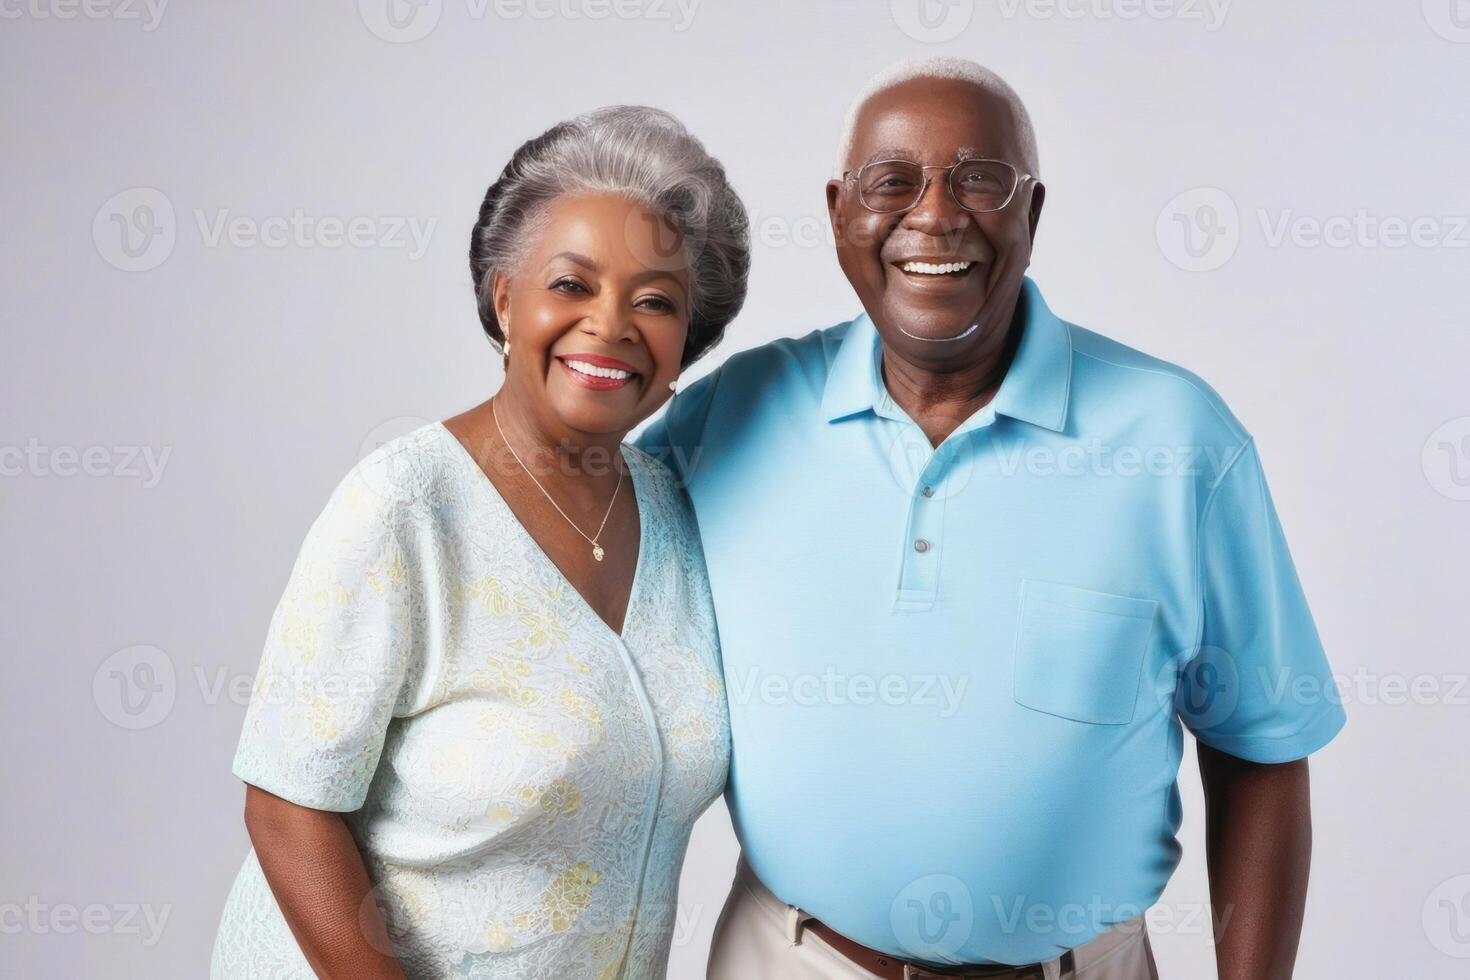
(973, 566)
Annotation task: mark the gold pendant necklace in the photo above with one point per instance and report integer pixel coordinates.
(597, 552)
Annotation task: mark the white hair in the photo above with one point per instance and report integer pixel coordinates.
(953, 69)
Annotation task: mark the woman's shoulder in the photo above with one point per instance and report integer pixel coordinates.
(659, 480)
(665, 492)
(403, 464)
(396, 483)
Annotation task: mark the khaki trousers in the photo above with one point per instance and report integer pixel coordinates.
(759, 937)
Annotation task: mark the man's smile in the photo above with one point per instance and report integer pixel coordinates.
(936, 268)
(943, 274)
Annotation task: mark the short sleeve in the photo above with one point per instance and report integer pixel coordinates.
(676, 438)
(1259, 686)
(336, 657)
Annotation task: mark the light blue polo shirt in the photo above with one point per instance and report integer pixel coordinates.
(957, 676)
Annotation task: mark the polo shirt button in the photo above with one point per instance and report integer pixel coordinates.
(921, 546)
(928, 491)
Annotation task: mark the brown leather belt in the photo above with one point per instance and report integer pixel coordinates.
(891, 968)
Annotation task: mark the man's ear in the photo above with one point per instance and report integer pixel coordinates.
(1033, 215)
(834, 209)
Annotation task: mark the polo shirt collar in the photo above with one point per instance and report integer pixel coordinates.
(855, 380)
(1034, 390)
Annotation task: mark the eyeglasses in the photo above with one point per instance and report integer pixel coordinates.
(977, 184)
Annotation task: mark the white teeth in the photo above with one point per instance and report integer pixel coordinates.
(582, 367)
(935, 269)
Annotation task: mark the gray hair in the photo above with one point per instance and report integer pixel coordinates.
(647, 156)
(953, 69)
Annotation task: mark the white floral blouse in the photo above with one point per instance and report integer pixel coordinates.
(520, 779)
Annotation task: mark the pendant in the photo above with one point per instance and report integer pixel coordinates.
(597, 552)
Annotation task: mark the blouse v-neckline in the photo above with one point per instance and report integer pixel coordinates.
(639, 497)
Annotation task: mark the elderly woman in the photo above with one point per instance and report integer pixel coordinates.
(489, 708)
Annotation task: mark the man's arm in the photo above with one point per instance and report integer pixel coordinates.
(1259, 850)
(1256, 634)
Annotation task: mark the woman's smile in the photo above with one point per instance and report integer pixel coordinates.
(597, 372)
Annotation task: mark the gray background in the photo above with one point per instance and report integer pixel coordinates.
(254, 374)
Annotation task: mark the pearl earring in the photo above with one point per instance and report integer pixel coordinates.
(505, 344)
(674, 385)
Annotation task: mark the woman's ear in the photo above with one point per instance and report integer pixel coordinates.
(500, 300)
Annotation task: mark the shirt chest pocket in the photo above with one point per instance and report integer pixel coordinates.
(1079, 653)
